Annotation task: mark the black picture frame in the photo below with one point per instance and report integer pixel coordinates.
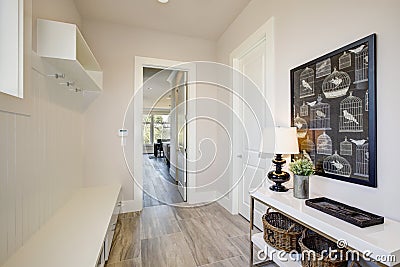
(333, 105)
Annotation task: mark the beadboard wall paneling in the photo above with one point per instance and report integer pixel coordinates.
(40, 161)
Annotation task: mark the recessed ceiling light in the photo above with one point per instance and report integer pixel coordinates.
(163, 1)
(149, 88)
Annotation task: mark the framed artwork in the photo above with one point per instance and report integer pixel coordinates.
(334, 109)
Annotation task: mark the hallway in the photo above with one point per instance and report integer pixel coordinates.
(159, 187)
(181, 237)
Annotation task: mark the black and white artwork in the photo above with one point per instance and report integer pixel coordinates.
(346, 148)
(320, 117)
(345, 61)
(351, 114)
(304, 110)
(307, 147)
(307, 83)
(337, 165)
(324, 144)
(323, 68)
(301, 125)
(333, 108)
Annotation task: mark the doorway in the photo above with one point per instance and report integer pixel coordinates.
(178, 177)
(181, 134)
(164, 136)
(254, 59)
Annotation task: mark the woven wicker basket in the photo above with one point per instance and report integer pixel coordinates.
(281, 232)
(310, 241)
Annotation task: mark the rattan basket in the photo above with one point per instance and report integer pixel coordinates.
(281, 232)
(312, 245)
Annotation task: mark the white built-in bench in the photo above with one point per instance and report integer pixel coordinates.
(78, 235)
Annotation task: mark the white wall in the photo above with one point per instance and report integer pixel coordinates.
(116, 46)
(40, 151)
(308, 29)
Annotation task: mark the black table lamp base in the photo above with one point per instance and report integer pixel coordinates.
(278, 188)
(278, 176)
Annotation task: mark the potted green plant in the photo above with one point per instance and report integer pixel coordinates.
(302, 169)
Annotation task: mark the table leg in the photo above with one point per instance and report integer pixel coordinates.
(251, 230)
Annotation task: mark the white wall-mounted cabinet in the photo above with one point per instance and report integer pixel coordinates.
(62, 45)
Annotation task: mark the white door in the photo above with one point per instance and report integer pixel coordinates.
(252, 115)
(181, 115)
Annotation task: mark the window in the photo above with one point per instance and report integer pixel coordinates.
(11, 47)
(147, 130)
(155, 127)
(161, 127)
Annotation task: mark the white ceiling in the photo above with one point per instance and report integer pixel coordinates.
(158, 96)
(206, 19)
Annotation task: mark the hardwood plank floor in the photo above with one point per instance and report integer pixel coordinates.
(181, 237)
(169, 250)
(136, 262)
(159, 187)
(126, 243)
(232, 262)
(206, 242)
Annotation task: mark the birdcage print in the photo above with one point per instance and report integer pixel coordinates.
(324, 144)
(346, 148)
(304, 110)
(301, 125)
(320, 115)
(337, 165)
(344, 61)
(366, 101)
(309, 147)
(362, 160)
(323, 68)
(336, 84)
(361, 64)
(351, 114)
(307, 83)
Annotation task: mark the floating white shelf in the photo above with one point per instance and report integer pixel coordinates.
(63, 46)
(279, 257)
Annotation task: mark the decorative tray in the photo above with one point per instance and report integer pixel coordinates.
(344, 212)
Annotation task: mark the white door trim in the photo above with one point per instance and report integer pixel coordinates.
(265, 32)
(140, 63)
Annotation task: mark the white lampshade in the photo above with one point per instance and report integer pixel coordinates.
(280, 140)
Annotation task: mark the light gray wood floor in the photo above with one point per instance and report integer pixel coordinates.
(159, 187)
(181, 237)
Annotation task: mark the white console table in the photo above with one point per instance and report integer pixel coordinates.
(77, 233)
(380, 240)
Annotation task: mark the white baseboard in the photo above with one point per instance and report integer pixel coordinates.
(130, 206)
(201, 197)
(226, 202)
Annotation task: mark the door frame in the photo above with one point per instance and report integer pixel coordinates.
(182, 187)
(147, 62)
(265, 32)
